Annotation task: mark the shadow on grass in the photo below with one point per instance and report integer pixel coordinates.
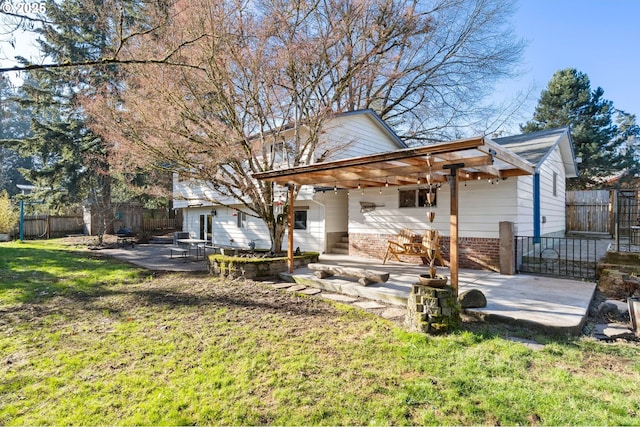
(34, 276)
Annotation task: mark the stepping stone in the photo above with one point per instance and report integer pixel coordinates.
(368, 305)
(338, 297)
(282, 285)
(610, 331)
(311, 291)
(533, 345)
(296, 288)
(393, 313)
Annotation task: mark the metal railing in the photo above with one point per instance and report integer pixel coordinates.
(627, 230)
(557, 256)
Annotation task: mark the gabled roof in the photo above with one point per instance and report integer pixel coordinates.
(377, 120)
(537, 146)
(368, 112)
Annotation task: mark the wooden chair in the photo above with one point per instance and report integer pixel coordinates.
(431, 244)
(404, 244)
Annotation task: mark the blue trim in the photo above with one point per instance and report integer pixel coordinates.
(22, 220)
(536, 207)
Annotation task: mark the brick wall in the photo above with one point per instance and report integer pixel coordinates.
(473, 252)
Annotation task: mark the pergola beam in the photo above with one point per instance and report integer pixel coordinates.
(378, 174)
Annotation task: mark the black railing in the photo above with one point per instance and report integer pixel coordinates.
(627, 221)
(557, 256)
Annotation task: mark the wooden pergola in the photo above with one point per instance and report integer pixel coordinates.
(465, 159)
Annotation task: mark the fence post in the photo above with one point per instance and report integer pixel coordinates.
(507, 248)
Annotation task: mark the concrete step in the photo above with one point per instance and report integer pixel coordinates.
(344, 239)
(342, 245)
(340, 251)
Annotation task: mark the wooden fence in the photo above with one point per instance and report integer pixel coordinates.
(158, 224)
(46, 226)
(590, 211)
(49, 226)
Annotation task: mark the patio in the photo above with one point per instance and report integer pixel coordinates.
(557, 306)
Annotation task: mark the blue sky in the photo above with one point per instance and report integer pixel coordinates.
(600, 38)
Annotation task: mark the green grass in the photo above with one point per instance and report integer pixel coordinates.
(86, 340)
(38, 271)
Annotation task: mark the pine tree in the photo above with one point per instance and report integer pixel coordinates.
(569, 101)
(14, 125)
(73, 164)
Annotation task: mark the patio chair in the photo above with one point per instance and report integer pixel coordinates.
(431, 244)
(404, 244)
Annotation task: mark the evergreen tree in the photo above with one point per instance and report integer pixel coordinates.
(14, 124)
(569, 101)
(73, 164)
(628, 138)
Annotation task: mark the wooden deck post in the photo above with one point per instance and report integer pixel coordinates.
(290, 229)
(453, 224)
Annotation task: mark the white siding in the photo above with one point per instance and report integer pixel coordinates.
(552, 208)
(355, 135)
(189, 192)
(311, 239)
(335, 210)
(481, 207)
(524, 225)
(225, 228)
(345, 136)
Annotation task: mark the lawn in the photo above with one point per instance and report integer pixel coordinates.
(86, 340)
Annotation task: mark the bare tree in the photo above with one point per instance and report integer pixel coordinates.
(268, 73)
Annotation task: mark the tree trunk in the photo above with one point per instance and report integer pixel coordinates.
(276, 233)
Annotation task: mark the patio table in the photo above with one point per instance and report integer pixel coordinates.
(198, 244)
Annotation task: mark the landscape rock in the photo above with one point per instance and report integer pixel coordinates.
(607, 309)
(613, 331)
(473, 298)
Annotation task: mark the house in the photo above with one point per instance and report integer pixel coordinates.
(320, 216)
(370, 211)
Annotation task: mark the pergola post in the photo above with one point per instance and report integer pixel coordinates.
(290, 229)
(453, 224)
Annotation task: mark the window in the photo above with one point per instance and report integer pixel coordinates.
(242, 220)
(418, 197)
(407, 198)
(555, 184)
(299, 220)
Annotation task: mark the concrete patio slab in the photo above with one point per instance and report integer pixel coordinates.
(558, 306)
(156, 257)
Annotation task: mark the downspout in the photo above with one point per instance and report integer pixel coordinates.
(536, 206)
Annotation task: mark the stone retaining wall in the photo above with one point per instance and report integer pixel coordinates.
(255, 268)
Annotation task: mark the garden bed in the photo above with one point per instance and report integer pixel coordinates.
(256, 268)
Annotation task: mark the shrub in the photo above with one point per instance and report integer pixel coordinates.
(8, 215)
